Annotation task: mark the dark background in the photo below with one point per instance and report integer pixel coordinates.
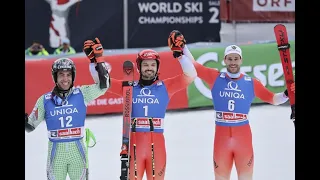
(104, 19)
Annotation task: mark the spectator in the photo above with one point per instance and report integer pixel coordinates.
(65, 48)
(36, 49)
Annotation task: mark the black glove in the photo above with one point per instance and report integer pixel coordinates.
(293, 108)
(27, 126)
(293, 112)
(286, 92)
(176, 43)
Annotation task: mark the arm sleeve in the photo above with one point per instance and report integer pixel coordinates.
(209, 75)
(91, 92)
(267, 96)
(37, 114)
(95, 75)
(181, 81)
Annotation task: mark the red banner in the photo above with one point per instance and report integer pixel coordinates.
(258, 10)
(39, 81)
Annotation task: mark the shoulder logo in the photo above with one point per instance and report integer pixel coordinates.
(247, 78)
(47, 96)
(76, 91)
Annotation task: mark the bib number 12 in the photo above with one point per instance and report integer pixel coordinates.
(68, 119)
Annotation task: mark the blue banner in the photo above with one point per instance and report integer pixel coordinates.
(151, 21)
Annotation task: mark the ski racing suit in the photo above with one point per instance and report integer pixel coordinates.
(151, 102)
(66, 129)
(232, 99)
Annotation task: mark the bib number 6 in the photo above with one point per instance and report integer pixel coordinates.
(231, 105)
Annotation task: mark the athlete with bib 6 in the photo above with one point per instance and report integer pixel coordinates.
(232, 94)
(150, 100)
(64, 110)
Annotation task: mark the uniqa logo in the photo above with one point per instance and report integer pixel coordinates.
(145, 97)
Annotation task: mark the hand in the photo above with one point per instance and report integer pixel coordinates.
(26, 117)
(292, 89)
(176, 43)
(28, 128)
(94, 50)
(97, 50)
(293, 113)
(87, 49)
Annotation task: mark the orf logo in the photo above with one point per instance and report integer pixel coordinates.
(233, 86)
(145, 92)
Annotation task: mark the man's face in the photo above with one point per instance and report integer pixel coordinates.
(148, 69)
(233, 62)
(64, 79)
(36, 47)
(65, 46)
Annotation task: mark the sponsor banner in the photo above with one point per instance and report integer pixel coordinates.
(144, 123)
(261, 61)
(258, 10)
(66, 133)
(199, 20)
(49, 21)
(39, 81)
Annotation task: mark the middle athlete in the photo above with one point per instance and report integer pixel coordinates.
(151, 97)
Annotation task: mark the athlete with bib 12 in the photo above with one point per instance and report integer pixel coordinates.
(232, 94)
(64, 110)
(150, 100)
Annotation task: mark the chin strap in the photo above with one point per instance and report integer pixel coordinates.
(58, 95)
(143, 82)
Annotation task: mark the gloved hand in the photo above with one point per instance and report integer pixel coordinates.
(292, 89)
(94, 50)
(87, 49)
(293, 108)
(176, 43)
(27, 126)
(26, 117)
(293, 112)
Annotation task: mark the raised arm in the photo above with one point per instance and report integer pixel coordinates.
(209, 75)
(181, 81)
(94, 51)
(91, 92)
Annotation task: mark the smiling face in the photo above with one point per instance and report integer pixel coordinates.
(148, 69)
(64, 79)
(233, 62)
